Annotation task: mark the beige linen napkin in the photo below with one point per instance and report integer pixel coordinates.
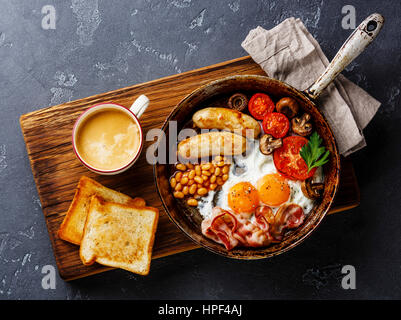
(289, 53)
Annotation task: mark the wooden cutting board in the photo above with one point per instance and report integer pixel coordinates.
(47, 134)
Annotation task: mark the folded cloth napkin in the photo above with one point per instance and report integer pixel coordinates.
(289, 53)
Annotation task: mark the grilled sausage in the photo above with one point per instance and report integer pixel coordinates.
(226, 119)
(211, 144)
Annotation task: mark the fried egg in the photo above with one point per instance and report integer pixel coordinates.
(253, 181)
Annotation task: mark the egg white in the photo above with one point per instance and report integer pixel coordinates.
(250, 168)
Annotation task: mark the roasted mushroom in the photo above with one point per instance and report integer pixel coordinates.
(312, 190)
(268, 144)
(302, 125)
(238, 101)
(288, 106)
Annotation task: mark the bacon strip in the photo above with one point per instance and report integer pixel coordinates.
(232, 230)
(252, 234)
(288, 216)
(264, 216)
(220, 227)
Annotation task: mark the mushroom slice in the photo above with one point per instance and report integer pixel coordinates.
(312, 190)
(302, 125)
(238, 101)
(288, 106)
(268, 144)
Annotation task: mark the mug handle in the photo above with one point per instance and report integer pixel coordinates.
(140, 105)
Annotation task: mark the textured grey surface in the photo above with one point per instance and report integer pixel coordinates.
(104, 45)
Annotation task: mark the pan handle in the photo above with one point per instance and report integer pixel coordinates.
(352, 47)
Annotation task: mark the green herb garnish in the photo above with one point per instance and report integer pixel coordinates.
(313, 153)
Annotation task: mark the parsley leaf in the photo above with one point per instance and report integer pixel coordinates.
(313, 153)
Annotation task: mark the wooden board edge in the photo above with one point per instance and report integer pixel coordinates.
(84, 275)
(31, 165)
(357, 192)
(343, 208)
(102, 268)
(52, 239)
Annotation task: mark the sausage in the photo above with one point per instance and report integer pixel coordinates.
(226, 119)
(211, 144)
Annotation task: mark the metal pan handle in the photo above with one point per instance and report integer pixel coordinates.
(352, 47)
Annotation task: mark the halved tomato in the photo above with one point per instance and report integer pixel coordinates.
(259, 105)
(289, 162)
(276, 124)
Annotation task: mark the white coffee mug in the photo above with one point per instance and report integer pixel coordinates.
(134, 112)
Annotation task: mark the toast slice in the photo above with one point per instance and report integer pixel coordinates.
(118, 235)
(72, 227)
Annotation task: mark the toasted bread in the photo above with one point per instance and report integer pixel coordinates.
(118, 235)
(72, 227)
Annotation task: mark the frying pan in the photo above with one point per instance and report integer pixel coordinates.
(216, 93)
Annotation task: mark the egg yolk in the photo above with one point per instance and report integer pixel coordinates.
(273, 189)
(243, 197)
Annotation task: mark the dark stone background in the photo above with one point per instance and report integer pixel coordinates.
(105, 45)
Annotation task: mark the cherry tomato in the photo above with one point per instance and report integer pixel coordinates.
(276, 124)
(289, 162)
(259, 105)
